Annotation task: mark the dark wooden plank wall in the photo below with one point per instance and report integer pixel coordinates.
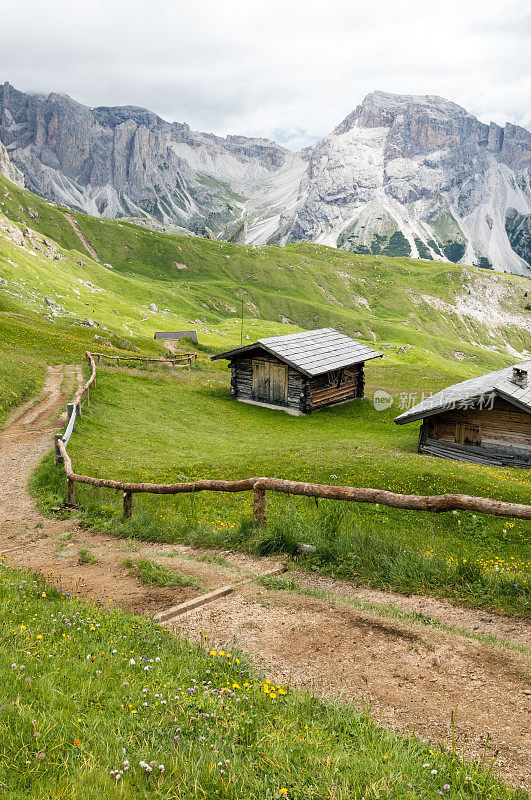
(304, 394)
(503, 428)
(337, 387)
(476, 455)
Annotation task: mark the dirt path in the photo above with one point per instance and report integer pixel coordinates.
(52, 546)
(477, 621)
(81, 236)
(169, 344)
(414, 676)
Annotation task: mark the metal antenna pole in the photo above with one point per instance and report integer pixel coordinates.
(241, 328)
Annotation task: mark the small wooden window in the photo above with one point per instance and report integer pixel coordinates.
(468, 434)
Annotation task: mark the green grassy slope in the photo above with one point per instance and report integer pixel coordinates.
(394, 303)
(187, 427)
(90, 696)
(370, 296)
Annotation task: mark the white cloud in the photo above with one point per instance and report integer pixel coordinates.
(285, 69)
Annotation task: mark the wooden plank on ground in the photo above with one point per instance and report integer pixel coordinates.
(196, 602)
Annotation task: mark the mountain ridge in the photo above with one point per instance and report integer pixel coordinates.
(411, 175)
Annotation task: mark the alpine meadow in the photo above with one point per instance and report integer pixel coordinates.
(225, 572)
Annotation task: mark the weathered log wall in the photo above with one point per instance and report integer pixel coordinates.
(304, 394)
(337, 386)
(503, 429)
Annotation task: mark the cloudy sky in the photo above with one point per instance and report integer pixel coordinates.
(286, 69)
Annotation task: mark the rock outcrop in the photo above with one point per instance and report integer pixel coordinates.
(419, 176)
(240, 234)
(127, 161)
(8, 169)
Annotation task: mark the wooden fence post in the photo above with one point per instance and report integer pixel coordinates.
(259, 504)
(128, 505)
(87, 395)
(58, 456)
(70, 492)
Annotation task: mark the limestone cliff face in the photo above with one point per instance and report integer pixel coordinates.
(401, 175)
(127, 161)
(420, 176)
(8, 169)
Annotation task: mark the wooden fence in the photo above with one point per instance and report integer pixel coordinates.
(260, 486)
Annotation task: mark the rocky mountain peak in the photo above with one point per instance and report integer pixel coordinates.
(402, 175)
(386, 110)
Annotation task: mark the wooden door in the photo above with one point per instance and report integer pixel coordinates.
(468, 434)
(278, 384)
(261, 380)
(270, 382)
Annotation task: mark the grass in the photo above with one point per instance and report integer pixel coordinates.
(474, 559)
(345, 548)
(20, 379)
(279, 583)
(153, 574)
(88, 696)
(207, 559)
(86, 557)
(185, 426)
(367, 296)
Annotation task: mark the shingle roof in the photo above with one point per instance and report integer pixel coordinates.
(311, 352)
(498, 383)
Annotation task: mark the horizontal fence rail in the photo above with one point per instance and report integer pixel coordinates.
(70, 426)
(437, 503)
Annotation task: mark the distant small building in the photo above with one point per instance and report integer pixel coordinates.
(485, 420)
(299, 372)
(176, 335)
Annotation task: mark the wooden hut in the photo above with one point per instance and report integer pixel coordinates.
(485, 420)
(299, 372)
